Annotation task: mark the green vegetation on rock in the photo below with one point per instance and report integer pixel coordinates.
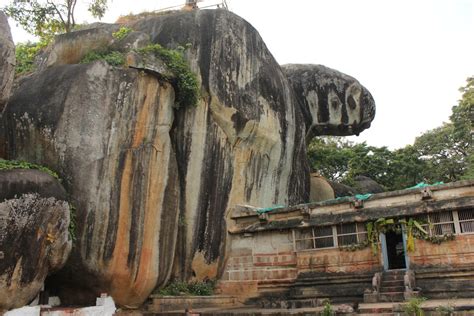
(413, 307)
(113, 58)
(13, 164)
(122, 33)
(186, 81)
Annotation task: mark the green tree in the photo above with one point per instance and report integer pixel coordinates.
(370, 161)
(447, 149)
(406, 168)
(330, 156)
(46, 18)
(463, 121)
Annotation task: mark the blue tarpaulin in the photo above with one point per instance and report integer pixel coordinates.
(363, 197)
(424, 185)
(268, 209)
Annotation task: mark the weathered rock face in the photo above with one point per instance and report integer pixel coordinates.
(108, 131)
(332, 103)
(152, 184)
(7, 60)
(34, 238)
(242, 144)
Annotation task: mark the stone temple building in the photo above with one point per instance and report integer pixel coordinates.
(381, 247)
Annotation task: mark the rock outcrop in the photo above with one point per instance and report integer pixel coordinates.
(153, 184)
(7, 60)
(365, 185)
(34, 237)
(332, 103)
(320, 189)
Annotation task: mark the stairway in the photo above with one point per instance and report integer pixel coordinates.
(392, 286)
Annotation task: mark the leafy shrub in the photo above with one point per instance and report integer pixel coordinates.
(186, 81)
(195, 288)
(446, 310)
(122, 33)
(25, 57)
(413, 308)
(327, 309)
(113, 58)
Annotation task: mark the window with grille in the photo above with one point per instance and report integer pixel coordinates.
(466, 221)
(323, 237)
(352, 233)
(314, 238)
(441, 223)
(304, 239)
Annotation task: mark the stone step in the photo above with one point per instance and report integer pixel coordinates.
(158, 303)
(375, 310)
(384, 289)
(399, 271)
(290, 303)
(391, 297)
(392, 277)
(392, 284)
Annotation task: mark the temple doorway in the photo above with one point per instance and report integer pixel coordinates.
(394, 250)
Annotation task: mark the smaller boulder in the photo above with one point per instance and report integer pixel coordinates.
(34, 241)
(16, 182)
(320, 189)
(365, 185)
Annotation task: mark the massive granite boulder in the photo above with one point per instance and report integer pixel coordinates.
(153, 183)
(332, 103)
(107, 130)
(34, 237)
(7, 60)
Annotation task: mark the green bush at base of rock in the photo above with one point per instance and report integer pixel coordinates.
(195, 288)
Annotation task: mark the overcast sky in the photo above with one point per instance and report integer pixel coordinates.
(412, 55)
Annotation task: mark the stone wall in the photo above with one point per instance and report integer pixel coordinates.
(445, 270)
(263, 262)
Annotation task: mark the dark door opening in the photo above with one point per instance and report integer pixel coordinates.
(395, 250)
